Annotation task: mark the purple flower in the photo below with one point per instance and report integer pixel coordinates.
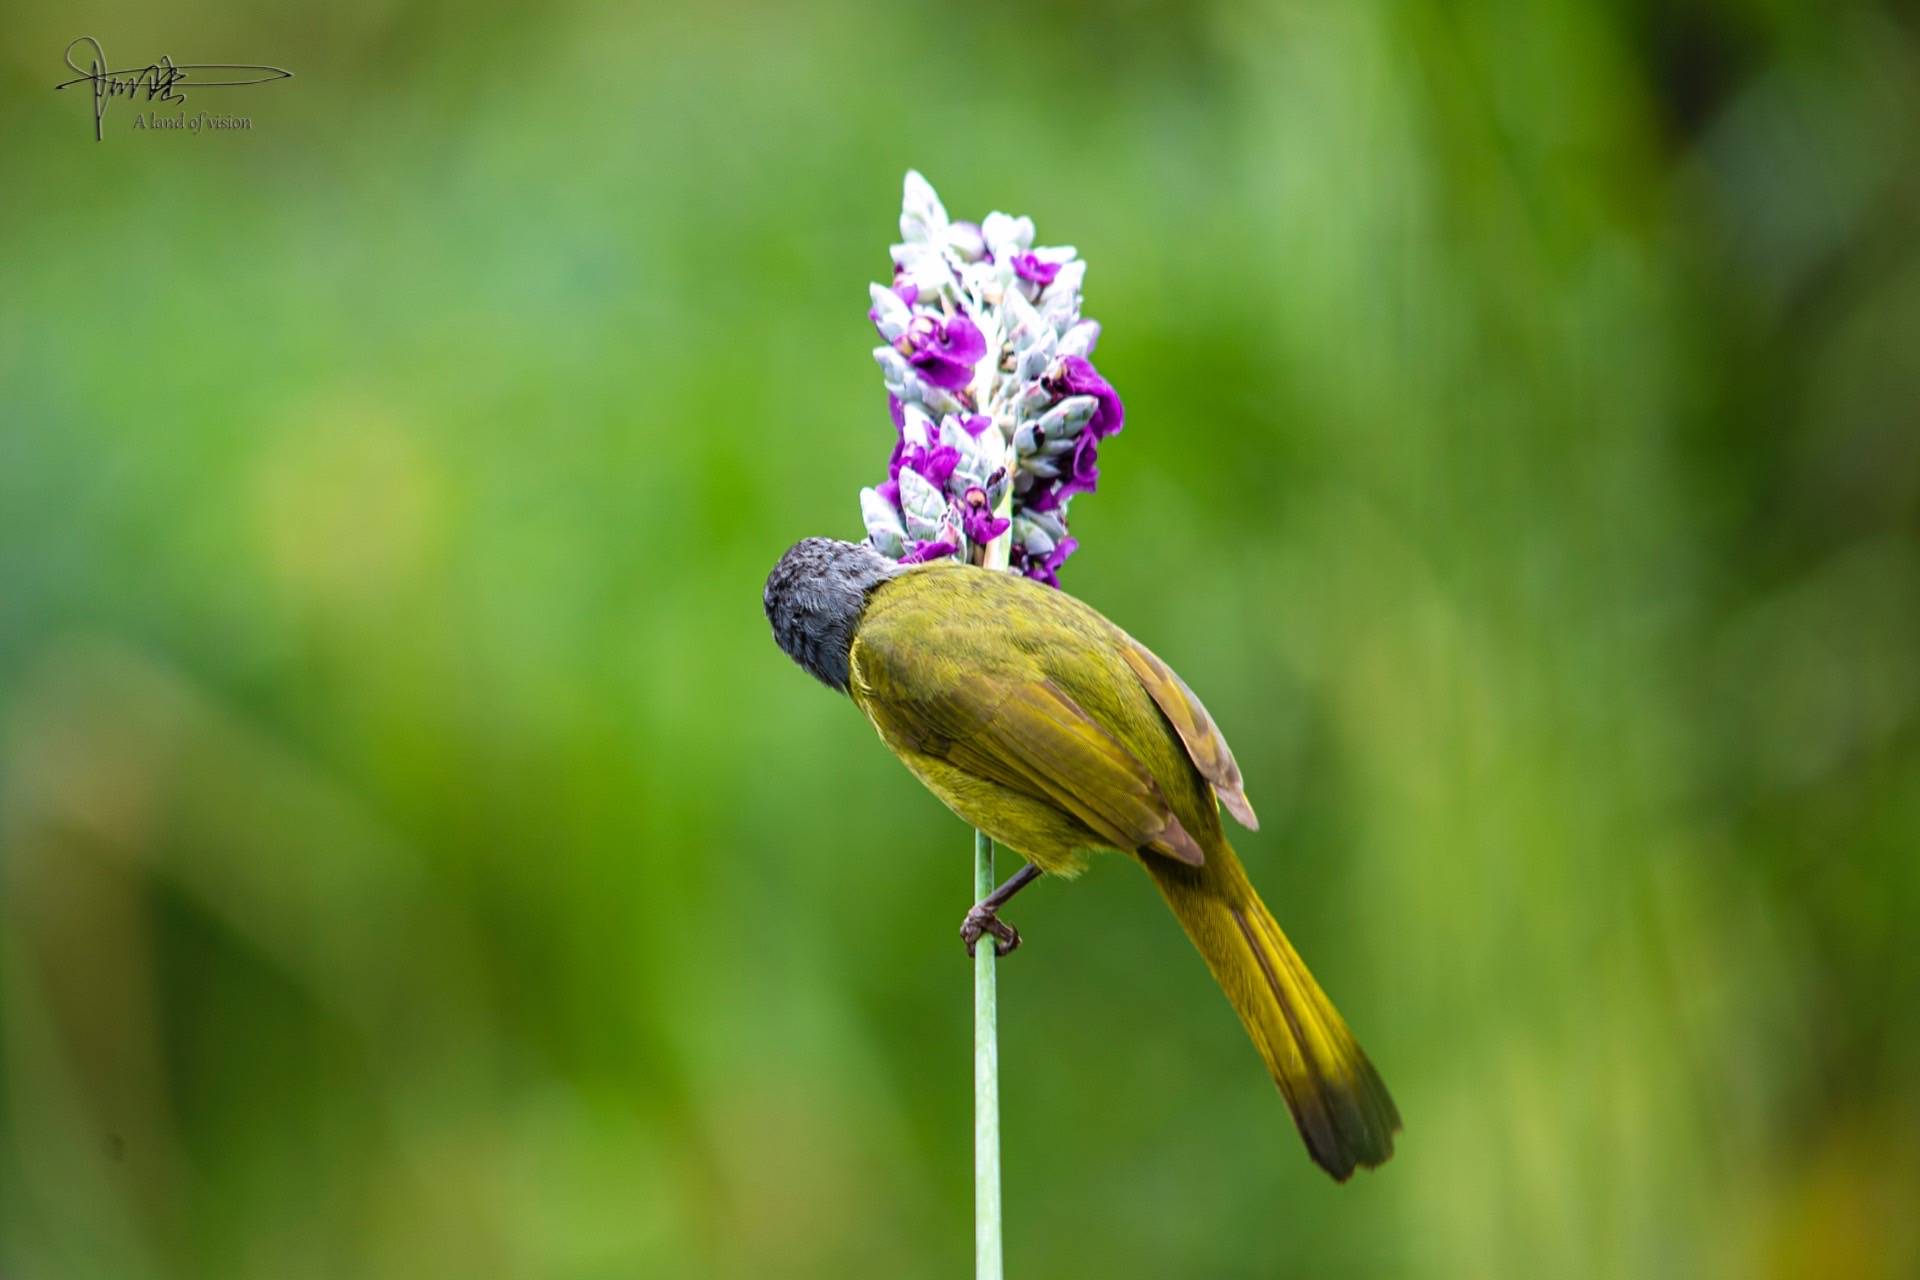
(945, 352)
(923, 551)
(1056, 558)
(983, 528)
(1030, 268)
(1083, 475)
(1078, 378)
(907, 291)
(896, 411)
(889, 489)
(976, 423)
(1048, 569)
(978, 520)
(935, 465)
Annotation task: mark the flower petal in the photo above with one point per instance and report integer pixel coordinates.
(924, 551)
(1048, 570)
(1077, 377)
(1033, 270)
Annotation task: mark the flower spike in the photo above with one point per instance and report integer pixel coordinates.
(997, 408)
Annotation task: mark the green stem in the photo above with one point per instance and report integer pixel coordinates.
(986, 1002)
(986, 1083)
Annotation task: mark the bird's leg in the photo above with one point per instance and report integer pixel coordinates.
(984, 917)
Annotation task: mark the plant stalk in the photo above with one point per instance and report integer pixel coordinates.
(986, 1083)
(986, 1018)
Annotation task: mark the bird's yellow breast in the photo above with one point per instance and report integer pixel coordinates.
(1047, 837)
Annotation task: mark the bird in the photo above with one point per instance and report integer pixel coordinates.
(1043, 724)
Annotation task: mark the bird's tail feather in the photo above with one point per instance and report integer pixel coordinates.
(1338, 1101)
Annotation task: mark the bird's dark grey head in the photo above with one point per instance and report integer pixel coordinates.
(814, 600)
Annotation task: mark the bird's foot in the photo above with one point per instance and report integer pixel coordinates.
(983, 919)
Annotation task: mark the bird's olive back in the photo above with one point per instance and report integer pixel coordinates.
(948, 641)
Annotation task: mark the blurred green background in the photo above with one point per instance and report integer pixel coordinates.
(416, 859)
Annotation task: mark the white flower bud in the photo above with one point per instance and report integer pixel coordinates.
(1062, 310)
(991, 445)
(982, 280)
(939, 400)
(1028, 533)
(1035, 360)
(1069, 416)
(890, 315)
(1072, 276)
(1006, 236)
(916, 427)
(923, 219)
(926, 269)
(899, 376)
(1052, 523)
(1079, 340)
(884, 527)
(1024, 325)
(965, 240)
(924, 505)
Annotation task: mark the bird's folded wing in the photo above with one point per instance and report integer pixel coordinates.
(1031, 736)
(1205, 747)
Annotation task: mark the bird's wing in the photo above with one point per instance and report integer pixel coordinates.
(1205, 747)
(1027, 734)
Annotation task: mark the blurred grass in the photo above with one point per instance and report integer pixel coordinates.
(416, 859)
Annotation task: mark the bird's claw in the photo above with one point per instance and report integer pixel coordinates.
(982, 920)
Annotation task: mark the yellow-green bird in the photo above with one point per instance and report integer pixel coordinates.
(1055, 732)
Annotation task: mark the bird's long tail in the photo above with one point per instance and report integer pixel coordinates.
(1338, 1101)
